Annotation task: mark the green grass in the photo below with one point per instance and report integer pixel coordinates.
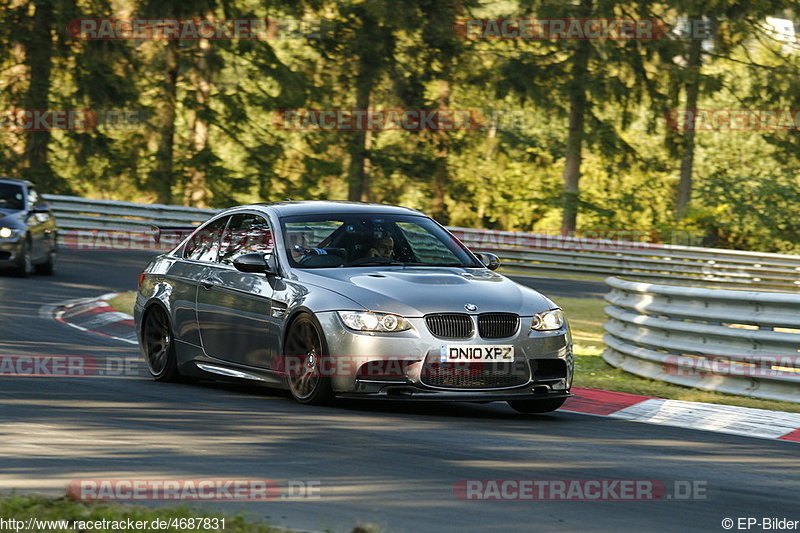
(22, 507)
(123, 302)
(586, 319)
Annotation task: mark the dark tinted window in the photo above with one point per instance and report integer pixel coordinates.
(319, 241)
(246, 233)
(11, 196)
(203, 245)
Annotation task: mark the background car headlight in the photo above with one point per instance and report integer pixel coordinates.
(368, 321)
(6, 233)
(548, 320)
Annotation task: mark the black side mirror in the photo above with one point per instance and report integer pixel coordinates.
(255, 262)
(490, 261)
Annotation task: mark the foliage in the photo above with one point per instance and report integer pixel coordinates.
(202, 125)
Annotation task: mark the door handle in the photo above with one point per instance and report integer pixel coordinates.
(208, 283)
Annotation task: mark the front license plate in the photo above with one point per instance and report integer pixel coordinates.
(491, 353)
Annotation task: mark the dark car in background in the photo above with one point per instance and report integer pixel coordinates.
(28, 233)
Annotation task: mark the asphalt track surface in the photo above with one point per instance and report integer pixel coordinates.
(391, 464)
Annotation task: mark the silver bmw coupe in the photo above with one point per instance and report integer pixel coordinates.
(339, 299)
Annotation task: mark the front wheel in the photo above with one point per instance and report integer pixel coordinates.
(48, 267)
(24, 266)
(159, 350)
(537, 406)
(305, 352)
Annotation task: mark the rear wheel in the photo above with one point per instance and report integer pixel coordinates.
(537, 406)
(304, 351)
(24, 266)
(158, 345)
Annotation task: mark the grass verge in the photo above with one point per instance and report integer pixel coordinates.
(23, 507)
(90, 516)
(123, 302)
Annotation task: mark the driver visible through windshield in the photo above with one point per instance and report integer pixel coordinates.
(325, 241)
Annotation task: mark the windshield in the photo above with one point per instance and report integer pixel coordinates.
(11, 196)
(328, 241)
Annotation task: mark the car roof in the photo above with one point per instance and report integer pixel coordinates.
(16, 181)
(317, 207)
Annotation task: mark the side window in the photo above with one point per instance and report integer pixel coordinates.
(203, 245)
(247, 233)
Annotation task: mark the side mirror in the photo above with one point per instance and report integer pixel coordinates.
(41, 208)
(490, 261)
(255, 263)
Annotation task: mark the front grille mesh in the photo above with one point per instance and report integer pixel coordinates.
(497, 325)
(450, 325)
(475, 375)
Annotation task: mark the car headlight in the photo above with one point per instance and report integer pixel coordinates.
(548, 320)
(369, 321)
(6, 233)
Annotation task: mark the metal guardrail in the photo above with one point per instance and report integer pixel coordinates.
(734, 341)
(691, 265)
(76, 213)
(529, 252)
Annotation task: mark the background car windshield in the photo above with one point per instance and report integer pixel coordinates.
(11, 196)
(365, 240)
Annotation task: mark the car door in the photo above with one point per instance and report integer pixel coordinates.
(234, 308)
(191, 266)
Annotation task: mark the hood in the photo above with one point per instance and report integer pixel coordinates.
(414, 292)
(12, 218)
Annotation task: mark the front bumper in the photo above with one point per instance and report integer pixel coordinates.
(9, 251)
(543, 364)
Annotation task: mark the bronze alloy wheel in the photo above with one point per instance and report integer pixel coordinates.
(305, 352)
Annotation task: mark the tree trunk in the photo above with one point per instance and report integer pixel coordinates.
(687, 144)
(38, 45)
(441, 171)
(162, 177)
(196, 191)
(574, 149)
(358, 175)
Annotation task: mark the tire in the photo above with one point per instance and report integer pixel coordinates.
(24, 266)
(305, 339)
(48, 267)
(159, 346)
(537, 406)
